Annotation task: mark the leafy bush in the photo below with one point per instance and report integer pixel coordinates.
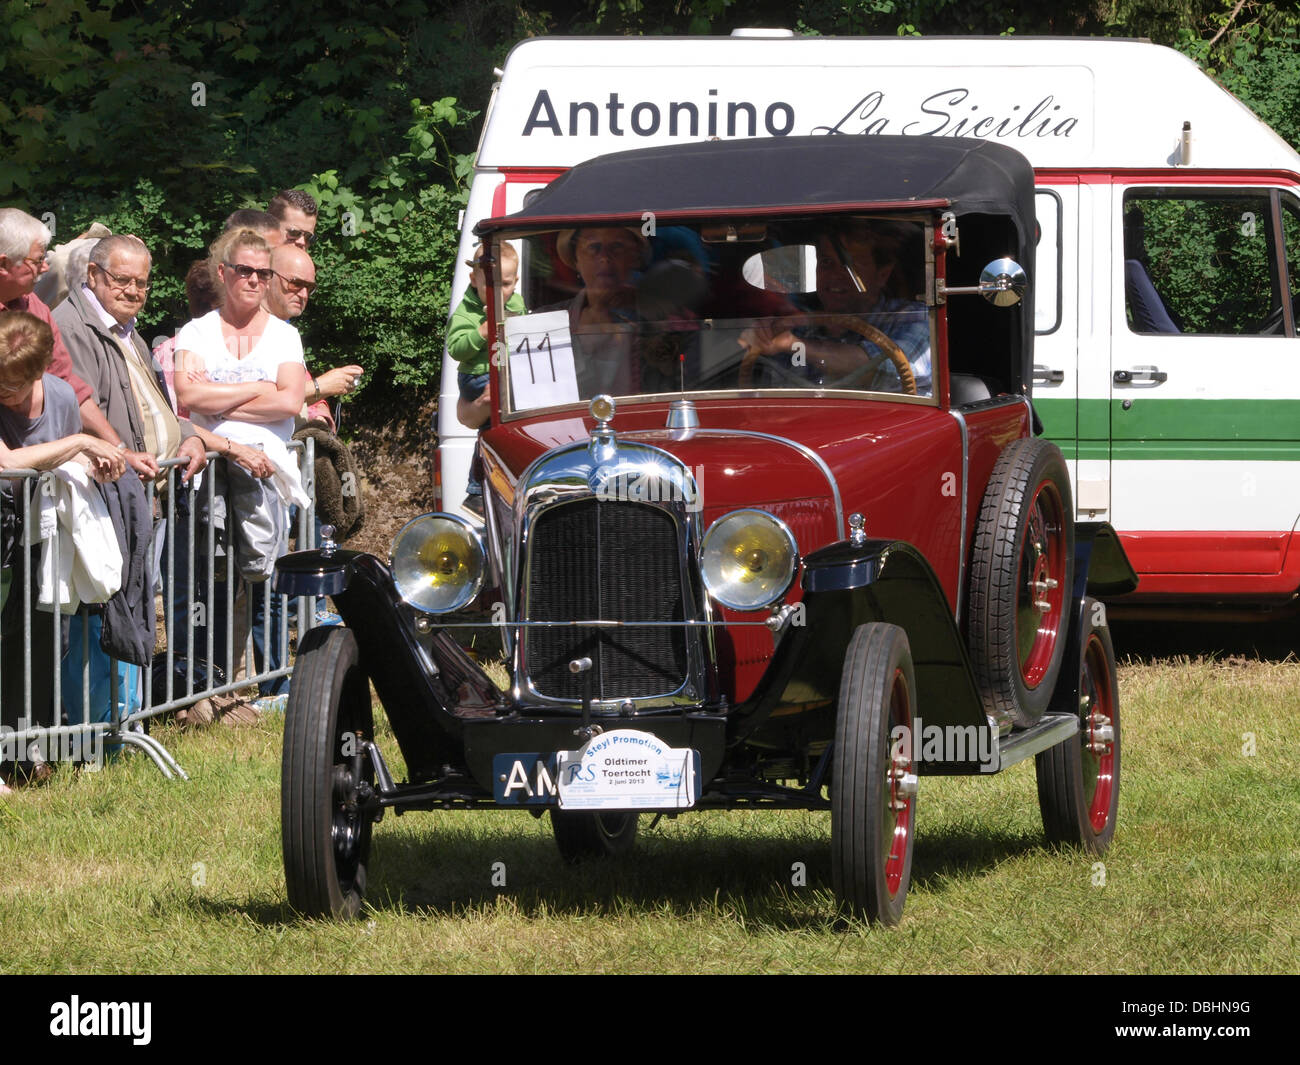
(385, 258)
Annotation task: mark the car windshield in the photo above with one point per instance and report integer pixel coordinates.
(833, 304)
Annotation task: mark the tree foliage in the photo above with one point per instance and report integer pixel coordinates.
(159, 118)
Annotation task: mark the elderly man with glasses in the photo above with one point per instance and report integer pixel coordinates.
(97, 321)
(23, 240)
(98, 324)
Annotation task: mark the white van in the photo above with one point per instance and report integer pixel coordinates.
(1167, 362)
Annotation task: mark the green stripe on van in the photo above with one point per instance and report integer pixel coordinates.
(1207, 451)
(1083, 449)
(1201, 430)
(1206, 419)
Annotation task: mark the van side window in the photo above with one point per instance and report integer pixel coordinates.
(1291, 231)
(1047, 260)
(1201, 262)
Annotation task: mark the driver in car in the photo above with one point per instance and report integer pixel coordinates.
(868, 325)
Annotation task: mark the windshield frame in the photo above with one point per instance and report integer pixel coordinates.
(925, 219)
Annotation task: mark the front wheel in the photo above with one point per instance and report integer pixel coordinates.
(874, 782)
(589, 835)
(327, 777)
(1078, 781)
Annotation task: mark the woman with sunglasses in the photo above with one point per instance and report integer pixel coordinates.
(239, 363)
(240, 371)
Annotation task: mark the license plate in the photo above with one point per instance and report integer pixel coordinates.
(624, 769)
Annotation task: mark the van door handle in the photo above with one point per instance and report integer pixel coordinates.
(1141, 375)
(1044, 376)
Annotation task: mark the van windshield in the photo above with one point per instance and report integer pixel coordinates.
(828, 305)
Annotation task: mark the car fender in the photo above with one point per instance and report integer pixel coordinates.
(1101, 568)
(845, 585)
(426, 693)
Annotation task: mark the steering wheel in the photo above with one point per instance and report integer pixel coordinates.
(864, 329)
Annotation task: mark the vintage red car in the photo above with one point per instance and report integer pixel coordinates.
(766, 524)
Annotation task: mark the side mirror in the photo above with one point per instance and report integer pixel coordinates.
(1003, 283)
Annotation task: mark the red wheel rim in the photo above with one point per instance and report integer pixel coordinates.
(1040, 595)
(896, 834)
(1097, 735)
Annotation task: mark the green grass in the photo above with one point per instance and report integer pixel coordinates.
(121, 871)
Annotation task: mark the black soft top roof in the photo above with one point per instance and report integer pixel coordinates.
(989, 187)
(774, 175)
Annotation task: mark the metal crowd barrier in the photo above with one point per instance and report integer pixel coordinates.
(191, 641)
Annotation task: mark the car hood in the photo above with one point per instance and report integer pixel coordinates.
(791, 458)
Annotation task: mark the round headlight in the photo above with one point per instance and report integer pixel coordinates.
(748, 559)
(438, 563)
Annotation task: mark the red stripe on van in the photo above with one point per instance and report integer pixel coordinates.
(1214, 563)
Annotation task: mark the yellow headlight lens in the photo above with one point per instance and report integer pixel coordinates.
(748, 559)
(438, 563)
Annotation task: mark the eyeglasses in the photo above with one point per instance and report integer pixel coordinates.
(292, 236)
(245, 272)
(122, 282)
(296, 282)
(37, 261)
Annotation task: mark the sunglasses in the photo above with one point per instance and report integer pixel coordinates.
(294, 235)
(245, 272)
(296, 283)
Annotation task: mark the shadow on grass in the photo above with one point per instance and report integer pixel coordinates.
(261, 912)
(781, 882)
(955, 853)
(683, 875)
(1143, 641)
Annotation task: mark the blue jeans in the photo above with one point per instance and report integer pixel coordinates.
(471, 387)
(86, 631)
(266, 629)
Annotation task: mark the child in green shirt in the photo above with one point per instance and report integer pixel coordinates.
(467, 343)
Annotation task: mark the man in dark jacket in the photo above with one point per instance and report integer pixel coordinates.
(97, 322)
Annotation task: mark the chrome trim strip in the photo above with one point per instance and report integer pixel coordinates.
(580, 408)
(965, 493)
(804, 450)
(596, 624)
(498, 557)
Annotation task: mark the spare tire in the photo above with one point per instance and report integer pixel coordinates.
(1021, 574)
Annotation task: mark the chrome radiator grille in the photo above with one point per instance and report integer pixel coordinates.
(614, 561)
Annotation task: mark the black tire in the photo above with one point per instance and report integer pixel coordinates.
(582, 835)
(1078, 781)
(873, 792)
(1021, 573)
(325, 832)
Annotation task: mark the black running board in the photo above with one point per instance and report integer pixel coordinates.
(1047, 733)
